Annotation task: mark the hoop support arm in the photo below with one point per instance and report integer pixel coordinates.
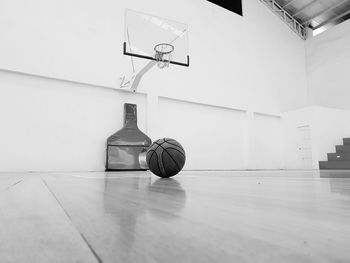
(134, 81)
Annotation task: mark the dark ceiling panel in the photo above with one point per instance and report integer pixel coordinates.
(232, 5)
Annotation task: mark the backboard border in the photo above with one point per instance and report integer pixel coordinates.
(152, 58)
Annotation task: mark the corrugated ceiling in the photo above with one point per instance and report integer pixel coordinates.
(319, 15)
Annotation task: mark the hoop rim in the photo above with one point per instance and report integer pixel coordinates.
(126, 53)
(164, 44)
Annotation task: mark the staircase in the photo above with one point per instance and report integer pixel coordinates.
(340, 159)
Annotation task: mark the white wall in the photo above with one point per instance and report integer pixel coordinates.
(328, 65)
(212, 136)
(276, 68)
(267, 141)
(252, 63)
(49, 125)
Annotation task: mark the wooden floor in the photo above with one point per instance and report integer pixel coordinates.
(201, 217)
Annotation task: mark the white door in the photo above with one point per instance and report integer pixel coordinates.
(304, 147)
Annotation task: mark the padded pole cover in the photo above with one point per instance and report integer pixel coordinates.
(127, 147)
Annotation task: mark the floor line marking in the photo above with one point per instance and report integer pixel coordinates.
(70, 219)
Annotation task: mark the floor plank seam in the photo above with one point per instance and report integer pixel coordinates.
(11, 186)
(70, 219)
(91, 248)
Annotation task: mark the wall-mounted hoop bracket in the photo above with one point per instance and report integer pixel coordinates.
(133, 81)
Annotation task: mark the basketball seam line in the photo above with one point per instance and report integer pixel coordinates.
(163, 162)
(168, 139)
(156, 142)
(172, 159)
(151, 155)
(161, 157)
(173, 144)
(164, 150)
(157, 146)
(157, 160)
(178, 151)
(173, 149)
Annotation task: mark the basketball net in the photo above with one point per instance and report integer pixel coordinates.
(163, 54)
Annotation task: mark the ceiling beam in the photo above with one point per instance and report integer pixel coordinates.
(332, 19)
(286, 17)
(306, 22)
(288, 4)
(304, 7)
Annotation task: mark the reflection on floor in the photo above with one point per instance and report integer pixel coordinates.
(255, 216)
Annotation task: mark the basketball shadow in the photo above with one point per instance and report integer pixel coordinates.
(166, 199)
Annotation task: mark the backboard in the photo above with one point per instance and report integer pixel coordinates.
(144, 31)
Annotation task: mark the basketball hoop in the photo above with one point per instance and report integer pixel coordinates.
(163, 54)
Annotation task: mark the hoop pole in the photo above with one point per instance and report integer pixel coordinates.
(140, 74)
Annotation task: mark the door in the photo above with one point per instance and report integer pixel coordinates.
(304, 147)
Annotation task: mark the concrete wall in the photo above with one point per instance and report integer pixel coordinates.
(328, 64)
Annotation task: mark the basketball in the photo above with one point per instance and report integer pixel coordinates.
(165, 157)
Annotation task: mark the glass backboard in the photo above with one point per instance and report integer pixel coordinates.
(143, 32)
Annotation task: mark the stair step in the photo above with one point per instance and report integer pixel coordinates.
(334, 165)
(346, 141)
(342, 148)
(338, 156)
